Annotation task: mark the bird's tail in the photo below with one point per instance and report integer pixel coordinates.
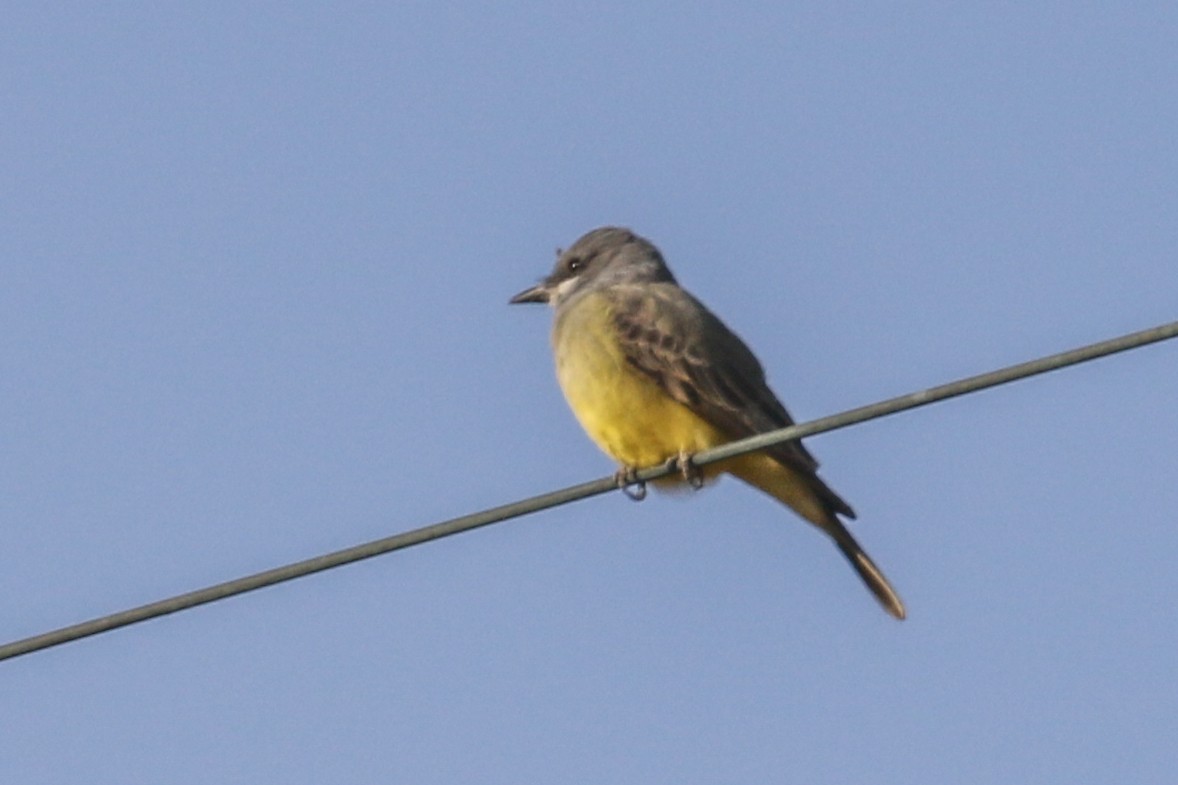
(806, 494)
(872, 576)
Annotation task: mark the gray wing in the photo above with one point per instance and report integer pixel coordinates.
(676, 341)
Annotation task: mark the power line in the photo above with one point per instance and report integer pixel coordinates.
(577, 492)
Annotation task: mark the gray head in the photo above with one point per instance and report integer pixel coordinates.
(603, 257)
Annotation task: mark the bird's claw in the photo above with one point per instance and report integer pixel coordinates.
(627, 480)
(691, 473)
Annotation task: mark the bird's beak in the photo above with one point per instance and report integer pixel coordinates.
(537, 294)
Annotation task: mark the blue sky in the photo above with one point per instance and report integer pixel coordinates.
(254, 265)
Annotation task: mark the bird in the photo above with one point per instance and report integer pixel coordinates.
(653, 376)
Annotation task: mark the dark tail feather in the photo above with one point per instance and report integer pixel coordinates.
(872, 576)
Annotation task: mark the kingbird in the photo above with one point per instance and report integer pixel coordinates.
(653, 376)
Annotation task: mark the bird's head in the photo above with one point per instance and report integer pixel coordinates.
(604, 257)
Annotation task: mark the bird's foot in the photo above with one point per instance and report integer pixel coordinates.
(627, 479)
(691, 473)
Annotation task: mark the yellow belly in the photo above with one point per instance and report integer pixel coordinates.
(627, 414)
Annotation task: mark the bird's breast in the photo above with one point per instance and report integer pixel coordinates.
(630, 416)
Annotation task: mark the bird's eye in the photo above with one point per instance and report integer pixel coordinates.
(575, 264)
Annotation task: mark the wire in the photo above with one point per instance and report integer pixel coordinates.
(574, 493)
